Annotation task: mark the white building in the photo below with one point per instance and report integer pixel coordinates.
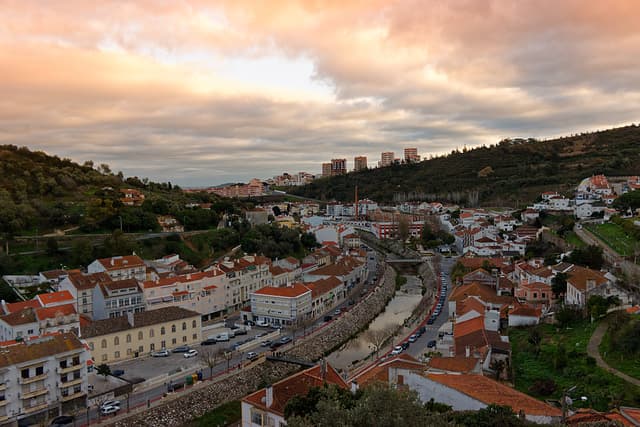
(42, 374)
(120, 267)
(281, 306)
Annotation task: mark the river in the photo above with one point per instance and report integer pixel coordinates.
(398, 309)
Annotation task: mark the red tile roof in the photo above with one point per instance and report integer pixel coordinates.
(295, 385)
(88, 281)
(483, 292)
(293, 291)
(322, 286)
(461, 329)
(53, 312)
(579, 276)
(55, 297)
(380, 372)
(454, 364)
(120, 262)
(489, 391)
(15, 307)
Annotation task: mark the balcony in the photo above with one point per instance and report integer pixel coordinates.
(32, 394)
(72, 396)
(71, 382)
(3, 402)
(34, 379)
(3, 386)
(4, 418)
(70, 368)
(35, 408)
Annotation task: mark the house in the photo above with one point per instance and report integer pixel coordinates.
(384, 369)
(470, 392)
(81, 287)
(348, 269)
(351, 241)
(54, 277)
(265, 407)
(242, 277)
(281, 306)
(120, 267)
(169, 224)
(623, 415)
(524, 315)
(583, 282)
(116, 298)
(202, 292)
(257, 216)
(537, 293)
(325, 294)
(133, 335)
(480, 276)
(459, 364)
(48, 373)
(131, 197)
(52, 299)
(483, 292)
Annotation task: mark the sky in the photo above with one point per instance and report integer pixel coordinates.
(207, 92)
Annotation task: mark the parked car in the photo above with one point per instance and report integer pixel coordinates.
(431, 344)
(262, 323)
(404, 345)
(107, 410)
(275, 344)
(396, 350)
(117, 372)
(430, 321)
(62, 420)
(224, 336)
(422, 330)
(241, 331)
(328, 318)
(337, 312)
(252, 355)
(266, 343)
(160, 353)
(351, 302)
(285, 340)
(249, 323)
(261, 334)
(110, 403)
(181, 349)
(191, 353)
(209, 341)
(413, 338)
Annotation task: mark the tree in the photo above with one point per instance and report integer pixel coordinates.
(566, 315)
(377, 337)
(498, 366)
(52, 246)
(598, 305)
(535, 339)
(591, 257)
(210, 358)
(491, 416)
(403, 229)
(104, 370)
(559, 284)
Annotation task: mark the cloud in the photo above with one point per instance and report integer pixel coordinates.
(201, 92)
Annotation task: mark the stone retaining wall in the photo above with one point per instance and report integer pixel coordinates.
(193, 404)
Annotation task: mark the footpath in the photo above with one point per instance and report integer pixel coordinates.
(593, 351)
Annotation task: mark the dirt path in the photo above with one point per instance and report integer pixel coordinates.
(593, 351)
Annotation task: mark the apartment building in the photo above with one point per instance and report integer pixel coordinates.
(338, 167)
(81, 286)
(117, 298)
(48, 373)
(32, 322)
(359, 163)
(120, 267)
(387, 158)
(135, 334)
(411, 155)
(242, 277)
(202, 292)
(326, 169)
(281, 306)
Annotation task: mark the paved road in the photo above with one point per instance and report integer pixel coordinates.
(593, 351)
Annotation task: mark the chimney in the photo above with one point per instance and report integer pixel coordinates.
(467, 352)
(354, 387)
(130, 318)
(269, 396)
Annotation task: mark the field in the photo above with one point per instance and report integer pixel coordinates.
(614, 236)
(222, 416)
(562, 362)
(629, 365)
(572, 238)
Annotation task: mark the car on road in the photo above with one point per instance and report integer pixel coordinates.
(160, 353)
(275, 344)
(262, 323)
(110, 403)
(252, 355)
(241, 331)
(261, 334)
(337, 312)
(431, 344)
(404, 345)
(224, 336)
(117, 372)
(107, 410)
(266, 343)
(209, 341)
(396, 350)
(191, 353)
(413, 338)
(351, 302)
(181, 349)
(285, 340)
(62, 420)
(328, 318)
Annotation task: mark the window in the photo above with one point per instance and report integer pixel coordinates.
(63, 379)
(128, 338)
(116, 341)
(152, 347)
(194, 324)
(76, 360)
(195, 336)
(174, 341)
(24, 373)
(39, 370)
(184, 326)
(129, 352)
(140, 349)
(184, 338)
(151, 333)
(104, 357)
(163, 344)
(63, 364)
(162, 331)
(140, 336)
(256, 418)
(77, 388)
(116, 355)
(30, 332)
(91, 346)
(173, 328)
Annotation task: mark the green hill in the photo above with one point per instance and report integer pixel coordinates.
(40, 193)
(511, 172)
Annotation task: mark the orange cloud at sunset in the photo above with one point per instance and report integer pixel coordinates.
(207, 92)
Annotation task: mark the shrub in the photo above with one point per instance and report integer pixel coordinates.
(543, 387)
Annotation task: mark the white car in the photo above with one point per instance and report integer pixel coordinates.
(110, 403)
(106, 410)
(191, 353)
(396, 350)
(252, 355)
(160, 353)
(262, 323)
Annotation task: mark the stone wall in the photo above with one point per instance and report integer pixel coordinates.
(187, 406)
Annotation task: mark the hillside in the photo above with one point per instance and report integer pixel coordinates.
(41, 193)
(507, 173)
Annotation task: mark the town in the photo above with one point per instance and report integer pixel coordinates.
(480, 291)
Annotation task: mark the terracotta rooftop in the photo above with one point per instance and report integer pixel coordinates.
(120, 262)
(55, 297)
(295, 385)
(453, 364)
(183, 278)
(470, 304)
(479, 339)
(322, 286)
(88, 281)
(119, 285)
(461, 329)
(380, 372)
(55, 311)
(53, 274)
(526, 310)
(588, 415)
(293, 291)
(145, 318)
(489, 391)
(341, 267)
(483, 292)
(39, 348)
(579, 276)
(22, 317)
(15, 307)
